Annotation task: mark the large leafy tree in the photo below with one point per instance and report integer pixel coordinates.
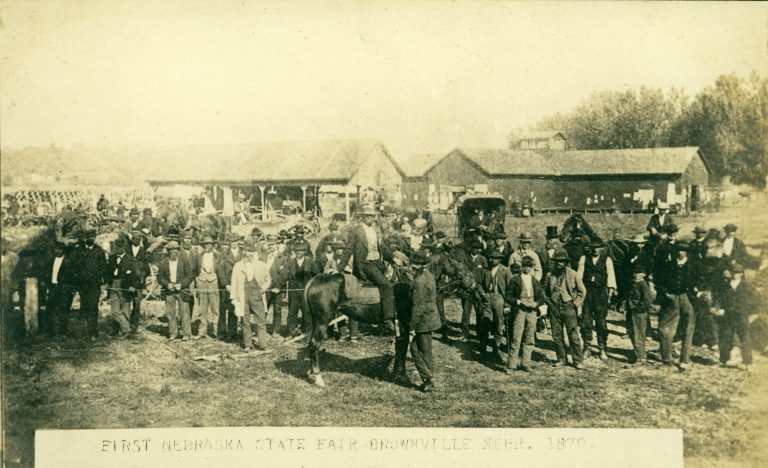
(728, 121)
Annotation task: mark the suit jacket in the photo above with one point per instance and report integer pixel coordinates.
(476, 266)
(66, 276)
(546, 262)
(197, 263)
(515, 291)
(184, 276)
(743, 300)
(656, 224)
(740, 255)
(573, 284)
(90, 266)
(227, 261)
(129, 273)
(502, 279)
(517, 257)
(357, 248)
(142, 257)
(424, 314)
(300, 275)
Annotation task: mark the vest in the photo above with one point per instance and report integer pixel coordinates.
(595, 275)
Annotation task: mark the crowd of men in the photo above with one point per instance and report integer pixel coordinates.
(227, 285)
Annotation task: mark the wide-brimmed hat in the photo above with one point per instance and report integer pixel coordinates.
(596, 244)
(419, 258)
(250, 246)
(147, 211)
(299, 246)
(367, 210)
(527, 261)
(134, 212)
(499, 236)
(663, 206)
(299, 229)
(515, 268)
(333, 226)
(560, 256)
(440, 235)
(730, 227)
(493, 253)
(338, 244)
(699, 230)
(272, 239)
(121, 242)
(551, 232)
(172, 245)
(672, 228)
(88, 233)
(475, 244)
(526, 236)
(207, 240)
(638, 239)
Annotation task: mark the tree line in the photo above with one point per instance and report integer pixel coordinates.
(728, 120)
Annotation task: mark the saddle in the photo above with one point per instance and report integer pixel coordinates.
(358, 292)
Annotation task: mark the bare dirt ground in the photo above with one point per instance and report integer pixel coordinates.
(68, 383)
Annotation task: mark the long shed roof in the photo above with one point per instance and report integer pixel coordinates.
(311, 161)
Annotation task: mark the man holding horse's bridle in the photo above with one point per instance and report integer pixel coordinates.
(368, 253)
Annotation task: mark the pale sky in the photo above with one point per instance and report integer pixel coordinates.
(422, 77)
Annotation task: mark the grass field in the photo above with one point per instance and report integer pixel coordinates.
(68, 383)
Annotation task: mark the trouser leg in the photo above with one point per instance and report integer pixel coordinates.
(518, 327)
(588, 317)
(741, 322)
(572, 329)
(725, 337)
(171, 311)
(686, 312)
(354, 328)
(136, 310)
(467, 305)
(293, 313)
(440, 302)
(529, 337)
(556, 322)
(601, 315)
(375, 275)
(201, 313)
(89, 304)
(421, 353)
(277, 312)
(668, 320)
(185, 318)
(638, 334)
(401, 350)
(53, 306)
(497, 307)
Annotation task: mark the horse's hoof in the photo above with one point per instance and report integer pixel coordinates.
(319, 380)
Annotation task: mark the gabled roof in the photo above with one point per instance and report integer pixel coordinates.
(331, 161)
(501, 162)
(416, 165)
(542, 135)
(505, 162)
(624, 161)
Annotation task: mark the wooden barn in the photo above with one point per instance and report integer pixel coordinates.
(625, 180)
(296, 170)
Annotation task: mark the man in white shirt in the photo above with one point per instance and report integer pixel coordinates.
(54, 319)
(596, 272)
(207, 288)
(250, 282)
(175, 275)
(524, 250)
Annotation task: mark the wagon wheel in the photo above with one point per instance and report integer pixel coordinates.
(152, 289)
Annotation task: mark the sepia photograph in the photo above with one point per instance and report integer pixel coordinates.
(344, 233)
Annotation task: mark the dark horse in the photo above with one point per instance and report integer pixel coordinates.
(325, 297)
(576, 236)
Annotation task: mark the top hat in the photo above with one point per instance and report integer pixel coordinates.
(730, 227)
(551, 232)
(526, 236)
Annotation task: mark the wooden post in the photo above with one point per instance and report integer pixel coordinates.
(304, 198)
(31, 306)
(263, 203)
(346, 201)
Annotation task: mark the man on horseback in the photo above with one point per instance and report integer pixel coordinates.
(368, 252)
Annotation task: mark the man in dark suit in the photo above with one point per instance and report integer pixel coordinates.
(525, 295)
(230, 255)
(277, 260)
(477, 265)
(58, 276)
(502, 245)
(735, 250)
(125, 277)
(90, 269)
(138, 251)
(545, 254)
(659, 223)
(175, 275)
(301, 269)
(368, 253)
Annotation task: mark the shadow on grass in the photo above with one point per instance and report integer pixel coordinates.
(376, 367)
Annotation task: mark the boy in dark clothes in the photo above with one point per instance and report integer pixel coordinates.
(424, 320)
(737, 300)
(639, 305)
